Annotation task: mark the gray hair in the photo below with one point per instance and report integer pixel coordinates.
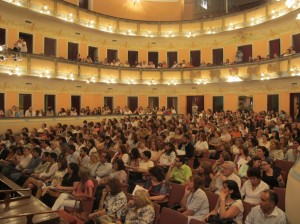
(230, 165)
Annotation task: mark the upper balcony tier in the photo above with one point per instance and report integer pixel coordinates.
(32, 65)
(267, 11)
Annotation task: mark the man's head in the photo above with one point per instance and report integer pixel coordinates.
(179, 161)
(105, 157)
(227, 168)
(269, 199)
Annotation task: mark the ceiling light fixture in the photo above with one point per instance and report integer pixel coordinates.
(172, 82)
(131, 81)
(15, 71)
(201, 81)
(290, 3)
(69, 17)
(264, 76)
(69, 77)
(110, 81)
(190, 34)
(151, 82)
(93, 80)
(135, 2)
(234, 78)
(295, 71)
(45, 74)
(45, 9)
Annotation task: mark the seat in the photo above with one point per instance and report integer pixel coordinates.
(281, 197)
(212, 199)
(194, 221)
(212, 161)
(284, 165)
(168, 216)
(190, 162)
(176, 194)
(247, 209)
(157, 213)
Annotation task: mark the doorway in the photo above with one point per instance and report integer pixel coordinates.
(218, 104)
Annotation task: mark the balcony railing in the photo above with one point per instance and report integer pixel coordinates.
(57, 68)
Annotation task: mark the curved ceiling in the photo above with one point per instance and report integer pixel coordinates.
(170, 10)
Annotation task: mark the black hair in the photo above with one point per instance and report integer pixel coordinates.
(53, 155)
(273, 196)
(37, 150)
(147, 154)
(232, 185)
(63, 164)
(120, 163)
(158, 173)
(254, 172)
(75, 168)
(181, 158)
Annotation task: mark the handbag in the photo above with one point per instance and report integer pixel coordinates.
(215, 219)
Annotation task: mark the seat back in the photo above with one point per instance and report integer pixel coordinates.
(212, 199)
(281, 195)
(194, 221)
(247, 209)
(176, 194)
(284, 165)
(169, 216)
(157, 213)
(212, 161)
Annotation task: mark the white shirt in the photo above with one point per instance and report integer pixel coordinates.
(201, 146)
(25, 160)
(253, 196)
(51, 171)
(256, 216)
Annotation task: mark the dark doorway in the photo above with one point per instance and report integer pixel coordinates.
(109, 101)
(111, 55)
(274, 48)
(2, 36)
(294, 103)
(273, 102)
(195, 58)
(25, 102)
(84, 4)
(172, 102)
(245, 103)
(93, 53)
(133, 57)
(296, 42)
(153, 56)
(194, 100)
(171, 57)
(132, 102)
(72, 51)
(50, 47)
(153, 102)
(218, 56)
(49, 101)
(76, 103)
(29, 41)
(218, 104)
(247, 52)
(2, 102)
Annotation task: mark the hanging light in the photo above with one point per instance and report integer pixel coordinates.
(45, 74)
(69, 77)
(151, 82)
(264, 76)
(172, 82)
(131, 81)
(91, 80)
(234, 78)
(110, 81)
(201, 81)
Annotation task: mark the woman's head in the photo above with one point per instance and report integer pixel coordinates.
(113, 186)
(141, 198)
(62, 164)
(232, 187)
(205, 168)
(158, 173)
(74, 168)
(266, 164)
(84, 174)
(196, 182)
(244, 151)
(262, 152)
(119, 165)
(94, 157)
(224, 156)
(134, 153)
(254, 175)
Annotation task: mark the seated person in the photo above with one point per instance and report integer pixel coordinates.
(270, 174)
(113, 202)
(179, 172)
(226, 173)
(253, 187)
(229, 204)
(139, 210)
(157, 187)
(194, 203)
(267, 211)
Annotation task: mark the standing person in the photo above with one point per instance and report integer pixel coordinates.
(239, 56)
(267, 211)
(194, 109)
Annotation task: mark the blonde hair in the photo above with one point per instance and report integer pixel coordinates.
(143, 197)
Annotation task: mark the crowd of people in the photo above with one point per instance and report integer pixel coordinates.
(105, 110)
(145, 155)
